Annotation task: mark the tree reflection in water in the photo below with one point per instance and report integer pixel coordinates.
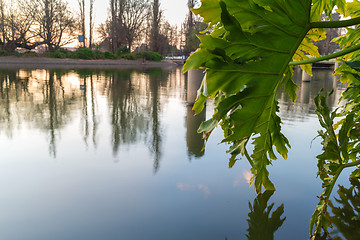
(37, 97)
(304, 105)
(52, 99)
(156, 77)
(136, 104)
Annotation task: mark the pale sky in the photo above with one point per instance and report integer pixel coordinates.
(174, 10)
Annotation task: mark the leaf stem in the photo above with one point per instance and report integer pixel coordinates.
(336, 176)
(335, 24)
(249, 159)
(351, 164)
(327, 57)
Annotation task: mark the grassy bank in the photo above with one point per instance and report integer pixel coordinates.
(88, 54)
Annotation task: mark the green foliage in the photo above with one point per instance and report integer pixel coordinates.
(249, 55)
(147, 55)
(246, 57)
(4, 53)
(55, 54)
(30, 54)
(88, 54)
(122, 51)
(61, 53)
(81, 53)
(109, 55)
(152, 56)
(340, 143)
(84, 53)
(129, 56)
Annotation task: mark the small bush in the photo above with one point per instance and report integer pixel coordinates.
(66, 53)
(60, 53)
(152, 56)
(99, 54)
(109, 55)
(123, 50)
(16, 54)
(30, 54)
(55, 54)
(4, 53)
(129, 56)
(84, 53)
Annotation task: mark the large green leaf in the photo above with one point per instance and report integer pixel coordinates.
(246, 58)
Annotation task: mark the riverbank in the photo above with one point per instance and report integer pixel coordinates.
(67, 63)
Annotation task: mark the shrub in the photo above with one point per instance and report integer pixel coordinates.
(60, 53)
(4, 53)
(153, 56)
(66, 53)
(99, 54)
(30, 54)
(129, 56)
(55, 54)
(84, 53)
(123, 50)
(109, 55)
(16, 54)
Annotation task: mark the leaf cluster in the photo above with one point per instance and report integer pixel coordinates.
(340, 143)
(246, 60)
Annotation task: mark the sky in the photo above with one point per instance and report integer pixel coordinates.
(174, 10)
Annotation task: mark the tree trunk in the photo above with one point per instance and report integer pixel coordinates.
(91, 23)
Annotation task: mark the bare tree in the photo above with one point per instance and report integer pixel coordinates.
(104, 33)
(82, 19)
(91, 22)
(125, 23)
(171, 38)
(2, 22)
(54, 22)
(115, 24)
(15, 27)
(134, 15)
(155, 26)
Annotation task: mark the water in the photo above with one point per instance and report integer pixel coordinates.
(114, 155)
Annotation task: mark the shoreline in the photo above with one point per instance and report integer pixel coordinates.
(68, 63)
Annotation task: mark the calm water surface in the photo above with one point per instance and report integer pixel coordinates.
(115, 155)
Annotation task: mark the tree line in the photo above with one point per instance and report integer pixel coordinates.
(131, 24)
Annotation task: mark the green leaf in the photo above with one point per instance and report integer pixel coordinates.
(290, 86)
(201, 97)
(207, 126)
(354, 65)
(209, 10)
(246, 60)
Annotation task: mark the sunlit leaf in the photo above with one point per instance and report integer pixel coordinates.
(247, 63)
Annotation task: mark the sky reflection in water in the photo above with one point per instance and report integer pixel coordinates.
(115, 155)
